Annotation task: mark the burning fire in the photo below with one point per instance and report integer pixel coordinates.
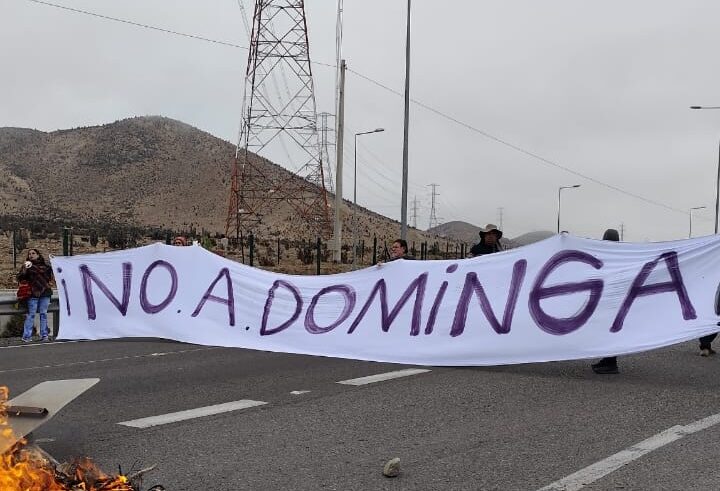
(27, 468)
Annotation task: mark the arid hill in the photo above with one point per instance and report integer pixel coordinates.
(458, 230)
(469, 233)
(147, 171)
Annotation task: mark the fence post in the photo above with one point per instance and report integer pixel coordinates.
(251, 247)
(374, 261)
(65, 242)
(56, 323)
(319, 250)
(278, 250)
(241, 246)
(14, 249)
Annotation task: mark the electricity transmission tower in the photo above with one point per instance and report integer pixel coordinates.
(327, 140)
(414, 212)
(433, 213)
(275, 118)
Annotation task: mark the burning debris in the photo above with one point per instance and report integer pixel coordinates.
(26, 467)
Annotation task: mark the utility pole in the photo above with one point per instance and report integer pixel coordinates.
(622, 231)
(433, 211)
(337, 246)
(406, 132)
(500, 217)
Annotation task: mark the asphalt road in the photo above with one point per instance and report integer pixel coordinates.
(519, 427)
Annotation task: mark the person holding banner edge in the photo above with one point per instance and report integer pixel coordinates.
(489, 241)
(38, 273)
(607, 365)
(399, 250)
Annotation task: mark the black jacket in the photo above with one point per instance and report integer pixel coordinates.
(481, 248)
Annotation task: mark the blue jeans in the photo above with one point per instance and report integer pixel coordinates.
(39, 305)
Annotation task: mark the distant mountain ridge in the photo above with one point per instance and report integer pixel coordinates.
(470, 234)
(149, 171)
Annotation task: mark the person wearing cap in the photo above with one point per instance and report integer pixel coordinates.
(179, 241)
(489, 241)
(607, 365)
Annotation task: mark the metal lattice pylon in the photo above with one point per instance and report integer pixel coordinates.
(274, 118)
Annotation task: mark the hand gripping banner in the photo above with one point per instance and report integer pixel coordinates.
(560, 299)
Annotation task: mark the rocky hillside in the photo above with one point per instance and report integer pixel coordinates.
(148, 171)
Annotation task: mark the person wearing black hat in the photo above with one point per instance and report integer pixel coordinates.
(489, 241)
(607, 365)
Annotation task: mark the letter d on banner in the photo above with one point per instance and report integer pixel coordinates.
(264, 331)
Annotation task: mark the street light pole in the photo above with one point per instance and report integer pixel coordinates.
(559, 191)
(354, 220)
(406, 125)
(717, 181)
(691, 210)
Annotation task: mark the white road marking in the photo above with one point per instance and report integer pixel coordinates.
(105, 360)
(299, 392)
(37, 343)
(199, 412)
(383, 376)
(598, 470)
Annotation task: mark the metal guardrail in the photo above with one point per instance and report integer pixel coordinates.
(9, 306)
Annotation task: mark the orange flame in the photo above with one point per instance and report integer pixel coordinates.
(25, 469)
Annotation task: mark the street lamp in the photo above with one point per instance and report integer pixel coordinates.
(691, 210)
(376, 130)
(717, 182)
(559, 191)
(406, 132)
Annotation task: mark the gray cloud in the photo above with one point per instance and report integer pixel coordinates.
(602, 89)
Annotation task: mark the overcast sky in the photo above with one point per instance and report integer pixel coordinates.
(549, 94)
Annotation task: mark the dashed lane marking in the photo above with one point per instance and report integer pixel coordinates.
(383, 376)
(106, 360)
(199, 412)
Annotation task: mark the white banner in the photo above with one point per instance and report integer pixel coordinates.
(560, 299)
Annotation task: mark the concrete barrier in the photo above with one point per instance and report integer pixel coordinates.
(9, 306)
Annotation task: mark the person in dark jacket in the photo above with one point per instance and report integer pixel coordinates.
(608, 365)
(705, 345)
(489, 241)
(399, 250)
(39, 274)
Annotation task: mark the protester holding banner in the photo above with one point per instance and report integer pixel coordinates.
(608, 365)
(39, 274)
(489, 241)
(399, 250)
(705, 347)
